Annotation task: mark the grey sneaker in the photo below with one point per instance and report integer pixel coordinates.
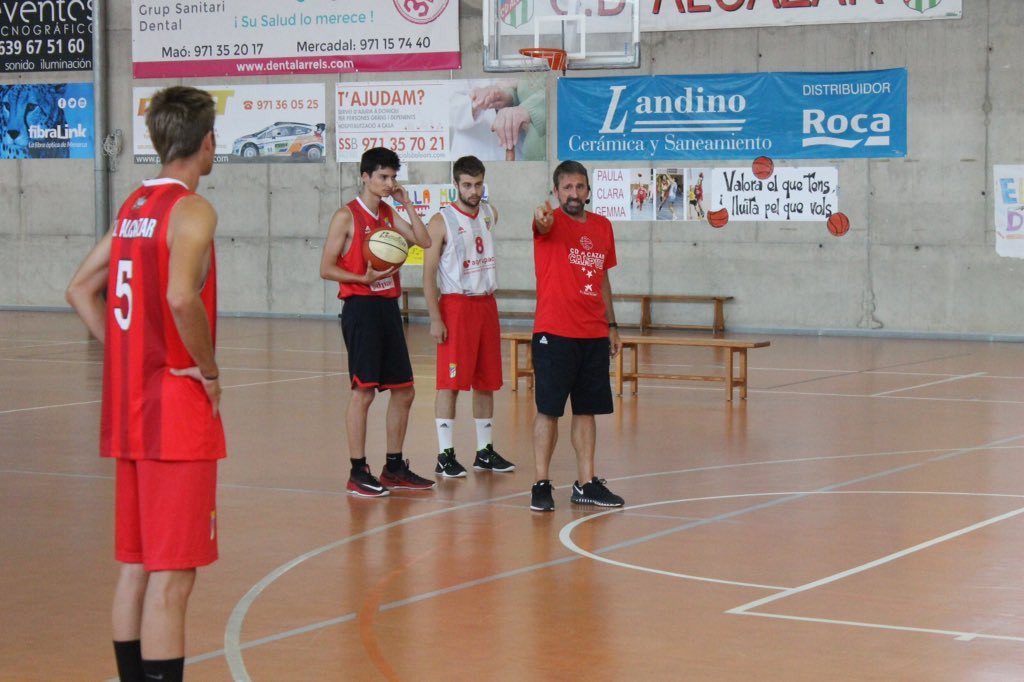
(448, 466)
(594, 492)
(540, 498)
(489, 460)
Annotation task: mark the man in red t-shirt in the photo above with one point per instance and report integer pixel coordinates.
(574, 333)
(371, 323)
(161, 393)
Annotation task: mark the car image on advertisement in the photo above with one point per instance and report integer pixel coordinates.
(283, 139)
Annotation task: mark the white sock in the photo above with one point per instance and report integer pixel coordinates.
(483, 433)
(445, 433)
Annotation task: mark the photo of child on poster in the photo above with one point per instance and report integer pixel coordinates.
(695, 209)
(642, 200)
(669, 184)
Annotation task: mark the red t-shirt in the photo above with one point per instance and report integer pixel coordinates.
(363, 223)
(571, 261)
(148, 413)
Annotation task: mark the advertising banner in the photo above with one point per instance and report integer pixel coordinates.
(857, 114)
(45, 35)
(681, 15)
(1009, 210)
(172, 39)
(46, 121)
(255, 123)
(443, 120)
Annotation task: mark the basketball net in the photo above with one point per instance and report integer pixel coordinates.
(543, 62)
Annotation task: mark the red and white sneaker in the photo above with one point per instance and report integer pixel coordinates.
(404, 479)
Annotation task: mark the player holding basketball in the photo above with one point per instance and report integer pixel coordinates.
(371, 323)
(161, 393)
(464, 316)
(574, 333)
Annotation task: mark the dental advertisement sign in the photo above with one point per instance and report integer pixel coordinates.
(682, 15)
(856, 114)
(255, 123)
(46, 121)
(174, 39)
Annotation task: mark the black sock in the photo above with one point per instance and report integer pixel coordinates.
(358, 464)
(394, 461)
(129, 660)
(170, 670)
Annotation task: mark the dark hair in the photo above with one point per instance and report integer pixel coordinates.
(178, 119)
(570, 168)
(467, 165)
(377, 158)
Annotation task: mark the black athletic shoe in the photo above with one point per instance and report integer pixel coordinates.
(540, 497)
(404, 478)
(361, 482)
(489, 460)
(595, 493)
(448, 466)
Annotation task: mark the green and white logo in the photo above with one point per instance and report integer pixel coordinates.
(922, 5)
(515, 13)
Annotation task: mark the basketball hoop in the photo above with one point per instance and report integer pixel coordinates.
(557, 60)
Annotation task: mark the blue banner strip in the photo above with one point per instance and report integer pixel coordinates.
(857, 114)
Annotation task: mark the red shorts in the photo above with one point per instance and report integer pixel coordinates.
(471, 355)
(166, 514)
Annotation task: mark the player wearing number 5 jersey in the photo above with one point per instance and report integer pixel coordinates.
(161, 393)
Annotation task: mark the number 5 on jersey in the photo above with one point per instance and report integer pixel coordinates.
(123, 289)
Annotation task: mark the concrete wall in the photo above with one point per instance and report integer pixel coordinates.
(920, 256)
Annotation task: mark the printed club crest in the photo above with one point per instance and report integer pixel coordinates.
(921, 5)
(515, 13)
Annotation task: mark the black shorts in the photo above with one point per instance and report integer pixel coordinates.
(375, 339)
(571, 368)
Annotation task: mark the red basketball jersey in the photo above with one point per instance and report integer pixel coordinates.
(363, 223)
(147, 412)
(571, 261)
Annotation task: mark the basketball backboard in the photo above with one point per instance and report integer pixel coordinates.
(597, 34)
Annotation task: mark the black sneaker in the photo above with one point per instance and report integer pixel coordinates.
(448, 466)
(361, 482)
(404, 478)
(489, 460)
(595, 493)
(540, 497)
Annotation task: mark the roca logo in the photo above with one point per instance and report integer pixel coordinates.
(871, 129)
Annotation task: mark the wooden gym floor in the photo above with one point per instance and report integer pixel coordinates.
(861, 517)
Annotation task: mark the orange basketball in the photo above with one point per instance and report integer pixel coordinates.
(838, 224)
(763, 167)
(718, 218)
(384, 249)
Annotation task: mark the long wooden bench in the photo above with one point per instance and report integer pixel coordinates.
(646, 301)
(732, 376)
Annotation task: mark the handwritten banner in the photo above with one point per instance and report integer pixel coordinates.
(47, 121)
(856, 114)
(172, 39)
(255, 123)
(681, 15)
(1009, 210)
(788, 194)
(442, 120)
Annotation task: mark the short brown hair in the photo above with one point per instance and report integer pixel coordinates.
(178, 119)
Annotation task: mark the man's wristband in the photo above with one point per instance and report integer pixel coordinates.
(613, 325)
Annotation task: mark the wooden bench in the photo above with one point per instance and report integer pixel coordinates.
(646, 301)
(732, 376)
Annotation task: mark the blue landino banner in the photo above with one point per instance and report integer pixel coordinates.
(856, 114)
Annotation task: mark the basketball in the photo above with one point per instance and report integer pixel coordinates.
(838, 224)
(718, 218)
(763, 167)
(384, 249)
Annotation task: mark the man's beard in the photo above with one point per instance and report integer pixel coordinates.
(471, 201)
(573, 207)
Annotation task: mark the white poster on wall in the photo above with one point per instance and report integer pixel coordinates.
(172, 39)
(1009, 210)
(683, 15)
(788, 194)
(255, 123)
(492, 119)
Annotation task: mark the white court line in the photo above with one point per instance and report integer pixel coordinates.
(930, 383)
